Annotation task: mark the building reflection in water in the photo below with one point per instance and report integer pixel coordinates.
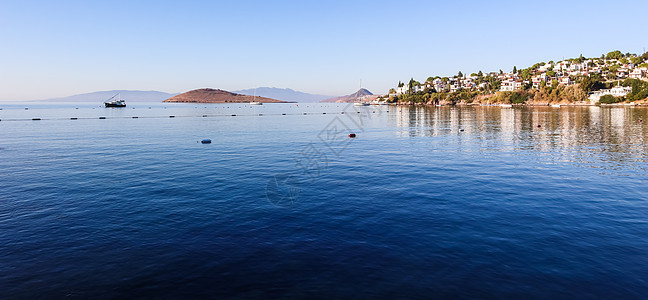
(613, 135)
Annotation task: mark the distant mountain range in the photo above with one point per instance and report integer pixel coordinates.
(349, 98)
(217, 96)
(283, 94)
(129, 96)
(270, 93)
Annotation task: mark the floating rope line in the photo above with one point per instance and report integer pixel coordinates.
(174, 116)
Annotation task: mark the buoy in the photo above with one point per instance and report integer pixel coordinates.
(171, 116)
(539, 126)
(73, 118)
(461, 130)
(36, 119)
(26, 108)
(323, 113)
(283, 114)
(101, 118)
(204, 116)
(206, 141)
(135, 117)
(352, 135)
(233, 115)
(305, 113)
(260, 114)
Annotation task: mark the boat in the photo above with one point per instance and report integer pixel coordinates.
(506, 105)
(115, 101)
(555, 105)
(254, 102)
(361, 104)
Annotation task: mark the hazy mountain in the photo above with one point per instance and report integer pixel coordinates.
(217, 96)
(284, 94)
(349, 98)
(129, 96)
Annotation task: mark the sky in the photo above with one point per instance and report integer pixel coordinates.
(60, 48)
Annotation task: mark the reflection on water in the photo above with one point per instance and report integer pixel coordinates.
(578, 134)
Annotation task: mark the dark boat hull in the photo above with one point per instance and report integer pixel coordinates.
(115, 105)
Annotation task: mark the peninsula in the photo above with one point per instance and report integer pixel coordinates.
(218, 96)
(613, 78)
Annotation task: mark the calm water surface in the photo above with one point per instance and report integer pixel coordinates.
(431, 202)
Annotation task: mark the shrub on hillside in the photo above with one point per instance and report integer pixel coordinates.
(608, 99)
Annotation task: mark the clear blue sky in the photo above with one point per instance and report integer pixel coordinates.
(60, 48)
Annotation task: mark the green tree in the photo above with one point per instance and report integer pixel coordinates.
(410, 85)
(514, 70)
(460, 75)
(624, 60)
(636, 60)
(580, 59)
(430, 79)
(639, 89)
(480, 74)
(614, 55)
(607, 99)
(611, 76)
(392, 91)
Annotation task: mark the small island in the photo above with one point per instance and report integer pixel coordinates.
(218, 96)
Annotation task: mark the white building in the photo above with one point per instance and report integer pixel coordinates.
(638, 73)
(510, 85)
(617, 91)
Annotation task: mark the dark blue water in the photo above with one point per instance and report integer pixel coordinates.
(424, 203)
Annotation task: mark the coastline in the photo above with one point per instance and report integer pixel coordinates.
(632, 104)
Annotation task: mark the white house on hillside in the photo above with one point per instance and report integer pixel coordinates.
(617, 91)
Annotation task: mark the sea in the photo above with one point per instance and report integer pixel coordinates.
(423, 203)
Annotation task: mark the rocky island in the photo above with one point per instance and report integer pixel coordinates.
(218, 96)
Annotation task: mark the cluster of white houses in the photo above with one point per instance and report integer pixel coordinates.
(562, 72)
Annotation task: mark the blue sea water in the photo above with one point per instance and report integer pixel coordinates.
(426, 202)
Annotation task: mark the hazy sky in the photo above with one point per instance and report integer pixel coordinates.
(60, 48)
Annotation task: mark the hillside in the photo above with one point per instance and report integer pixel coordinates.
(101, 96)
(361, 93)
(283, 94)
(217, 96)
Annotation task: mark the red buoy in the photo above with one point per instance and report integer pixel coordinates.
(352, 135)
